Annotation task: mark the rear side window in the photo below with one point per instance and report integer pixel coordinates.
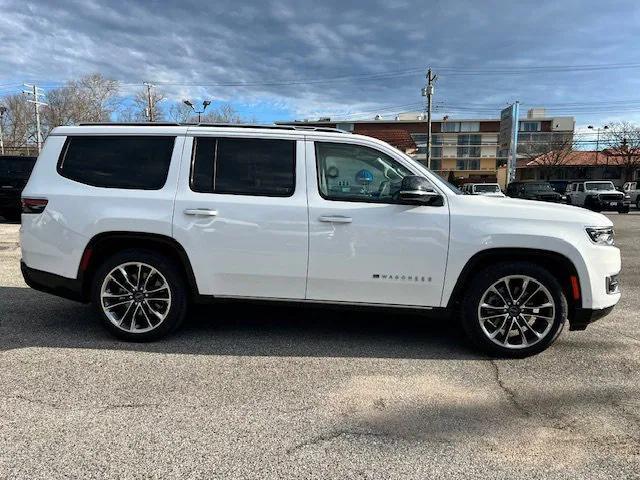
(132, 162)
(244, 166)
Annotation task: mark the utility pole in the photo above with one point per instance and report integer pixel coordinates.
(427, 91)
(149, 102)
(35, 91)
(3, 110)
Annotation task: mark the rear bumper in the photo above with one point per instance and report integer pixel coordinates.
(582, 317)
(51, 283)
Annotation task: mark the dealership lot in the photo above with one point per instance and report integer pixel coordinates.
(253, 391)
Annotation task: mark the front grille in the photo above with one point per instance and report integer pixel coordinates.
(611, 197)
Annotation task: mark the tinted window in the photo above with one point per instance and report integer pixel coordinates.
(134, 162)
(244, 166)
(357, 173)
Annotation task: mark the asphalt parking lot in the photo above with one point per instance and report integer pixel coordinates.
(246, 391)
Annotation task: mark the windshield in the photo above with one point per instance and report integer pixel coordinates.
(488, 188)
(539, 187)
(599, 186)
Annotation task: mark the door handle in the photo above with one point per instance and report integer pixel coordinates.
(335, 219)
(205, 212)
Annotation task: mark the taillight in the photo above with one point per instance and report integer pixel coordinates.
(34, 205)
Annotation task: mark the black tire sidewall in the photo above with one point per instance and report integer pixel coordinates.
(487, 277)
(174, 278)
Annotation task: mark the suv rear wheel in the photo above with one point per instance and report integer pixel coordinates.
(140, 295)
(514, 309)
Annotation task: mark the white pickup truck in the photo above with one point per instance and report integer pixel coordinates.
(631, 189)
(142, 220)
(598, 195)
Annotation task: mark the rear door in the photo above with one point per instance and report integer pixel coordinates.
(364, 246)
(241, 213)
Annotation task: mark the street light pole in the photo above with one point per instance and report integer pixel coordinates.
(605, 127)
(205, 104)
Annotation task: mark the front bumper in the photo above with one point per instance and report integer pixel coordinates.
(69, 288)
(582, 317)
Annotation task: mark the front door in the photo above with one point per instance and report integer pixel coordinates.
(241, 214)
(364, 245)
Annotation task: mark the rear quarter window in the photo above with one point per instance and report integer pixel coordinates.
(111, 161)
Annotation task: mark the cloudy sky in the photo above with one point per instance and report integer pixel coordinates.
(296, 59)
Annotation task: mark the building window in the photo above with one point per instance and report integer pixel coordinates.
(470, 126)
(450, 127)
(529, 126)
(420, 139)
(468, 164)
(469, 146)
(436, 164)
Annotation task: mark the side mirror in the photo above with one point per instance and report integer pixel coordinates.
(416, 190)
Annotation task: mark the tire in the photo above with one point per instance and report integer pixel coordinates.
(152, 304)
(624, 210)
(638, 203)
(568, 200)
(513, 345)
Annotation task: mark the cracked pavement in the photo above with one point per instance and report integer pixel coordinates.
(254, 391)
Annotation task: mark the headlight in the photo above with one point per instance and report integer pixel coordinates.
(601, 235)
(627, 196)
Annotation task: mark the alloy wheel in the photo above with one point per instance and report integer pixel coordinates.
(135, 297)
(516, 312)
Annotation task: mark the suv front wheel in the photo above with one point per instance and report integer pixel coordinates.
(140, 295)
(514, 309)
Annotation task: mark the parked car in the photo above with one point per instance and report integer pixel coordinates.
(598, 195)
(14, 173)
(631, 189)
(486, 189)
(559, 186)
(143, 220)
(534, 190)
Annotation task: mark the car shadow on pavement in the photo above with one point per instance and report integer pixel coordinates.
(33, 319)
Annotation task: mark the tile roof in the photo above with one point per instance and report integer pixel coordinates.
(396, 137)
(577, 158)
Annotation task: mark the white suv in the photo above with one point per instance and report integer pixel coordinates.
(141, 220)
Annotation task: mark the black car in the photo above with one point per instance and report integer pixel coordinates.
(14, 174)
(534, 190)
(559, 186)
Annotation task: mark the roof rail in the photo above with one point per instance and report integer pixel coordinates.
(129, 124)
(204, 124)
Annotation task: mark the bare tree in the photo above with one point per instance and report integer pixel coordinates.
(92, 98)
(18, 124)
(179, 112)
(549, 156)
(623, 147)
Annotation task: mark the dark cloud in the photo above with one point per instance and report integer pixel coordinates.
(259, 41)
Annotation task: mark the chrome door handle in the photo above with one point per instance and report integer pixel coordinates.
(335, 219)
(205, 212)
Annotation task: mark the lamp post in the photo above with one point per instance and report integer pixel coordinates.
(205, 104)
(591, 127)
(3, 110)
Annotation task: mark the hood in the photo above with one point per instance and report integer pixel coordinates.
(601, 192)
(516, 208)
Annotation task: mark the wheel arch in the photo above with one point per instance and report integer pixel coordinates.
(558, 264)
(105, 244)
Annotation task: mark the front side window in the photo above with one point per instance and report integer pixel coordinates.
(243, 166)
(356, 173)
(132, 162)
